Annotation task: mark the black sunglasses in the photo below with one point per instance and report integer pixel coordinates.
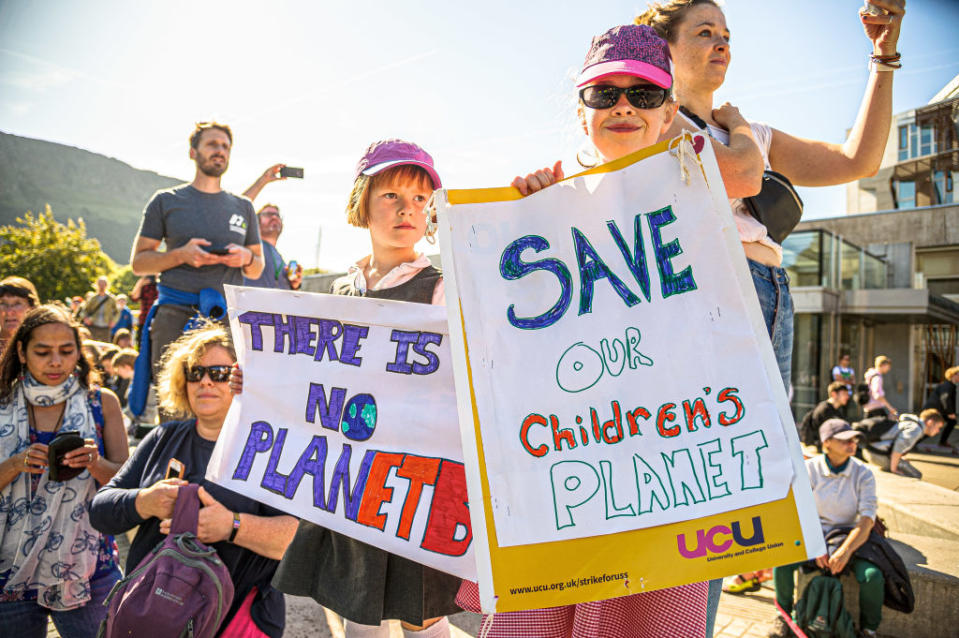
(602, 96)
(218, 374)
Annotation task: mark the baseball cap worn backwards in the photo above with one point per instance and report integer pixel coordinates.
(629, 49)
(837, 429)
(389, 153)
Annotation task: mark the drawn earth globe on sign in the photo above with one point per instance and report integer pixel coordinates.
(359, 417)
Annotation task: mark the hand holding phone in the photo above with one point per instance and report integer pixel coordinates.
(290, 171)
(175, 469)
(216, 249)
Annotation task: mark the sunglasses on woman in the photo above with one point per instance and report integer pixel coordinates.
(643, 96)
(218, 374)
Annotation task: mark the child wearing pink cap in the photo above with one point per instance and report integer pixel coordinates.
(624, 105)
(366, 585)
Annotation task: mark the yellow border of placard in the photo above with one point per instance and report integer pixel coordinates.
(593, 568)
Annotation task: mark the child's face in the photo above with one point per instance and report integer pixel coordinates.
(623, 128)
(396, 217)
(125, 372)
(124, 342)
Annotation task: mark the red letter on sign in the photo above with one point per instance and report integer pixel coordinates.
(449, 512)
(419, 470)
(376, 492)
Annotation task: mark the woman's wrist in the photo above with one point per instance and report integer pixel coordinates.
(235, 527)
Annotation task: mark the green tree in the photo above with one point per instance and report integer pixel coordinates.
(123, 280)
(58, 258)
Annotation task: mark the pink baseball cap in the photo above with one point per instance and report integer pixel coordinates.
(389, 153)
(629, 49)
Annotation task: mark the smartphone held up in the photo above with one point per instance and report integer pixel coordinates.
(291, 171)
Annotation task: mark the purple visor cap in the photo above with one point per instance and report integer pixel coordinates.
(388, 153)
(629, 49)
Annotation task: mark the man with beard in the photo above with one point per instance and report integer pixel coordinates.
(211, 239)
(276, 273)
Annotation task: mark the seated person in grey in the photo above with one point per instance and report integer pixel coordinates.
(894, 443)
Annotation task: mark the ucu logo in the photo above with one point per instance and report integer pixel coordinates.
(718, 539)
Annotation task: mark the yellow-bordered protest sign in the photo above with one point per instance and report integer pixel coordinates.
(624, 423)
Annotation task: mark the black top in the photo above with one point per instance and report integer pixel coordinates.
(113, 511)
(360, 582)
(419, 288)
(942, 398)
(809, 427)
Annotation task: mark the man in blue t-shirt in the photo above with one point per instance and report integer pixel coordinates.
(276, 272)
(211, 238)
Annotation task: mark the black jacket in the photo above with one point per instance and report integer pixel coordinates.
(898, 593)
(942, 398)
(809, 427)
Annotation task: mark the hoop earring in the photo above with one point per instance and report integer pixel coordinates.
(587, 157)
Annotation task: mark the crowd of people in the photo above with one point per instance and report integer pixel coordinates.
(88, 366)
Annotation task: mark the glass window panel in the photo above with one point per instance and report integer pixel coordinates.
(850, 270)
(801, 258)
(903, 143)
(849, 337)
(874, 274)
(906, 194)
(828, 261)
(913, 141)
(925, 139)
(805, 373)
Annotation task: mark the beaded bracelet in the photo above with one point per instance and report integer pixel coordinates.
(885, 62)
(886, 58)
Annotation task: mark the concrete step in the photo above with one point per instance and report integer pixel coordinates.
(912, 506)
(933, 565)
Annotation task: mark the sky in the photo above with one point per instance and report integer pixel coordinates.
(486, 87)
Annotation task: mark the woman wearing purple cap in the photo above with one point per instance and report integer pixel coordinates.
(624, 106)
(393, 182)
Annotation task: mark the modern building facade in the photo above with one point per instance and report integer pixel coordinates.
(884, 277)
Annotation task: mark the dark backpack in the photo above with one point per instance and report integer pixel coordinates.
(862, 393)
(874, 427)
(821, 612)
(181, 588)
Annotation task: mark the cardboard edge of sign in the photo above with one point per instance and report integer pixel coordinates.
(477, 481)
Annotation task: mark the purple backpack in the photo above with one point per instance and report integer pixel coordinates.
(181, 588)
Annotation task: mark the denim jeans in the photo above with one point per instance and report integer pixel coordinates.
(772, 288)
(30, 619)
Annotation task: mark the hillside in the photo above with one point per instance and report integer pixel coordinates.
(107, 193)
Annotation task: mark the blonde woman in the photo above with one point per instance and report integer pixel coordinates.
(249, 537)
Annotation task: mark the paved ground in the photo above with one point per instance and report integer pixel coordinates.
(744, 616)
(941, 469)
